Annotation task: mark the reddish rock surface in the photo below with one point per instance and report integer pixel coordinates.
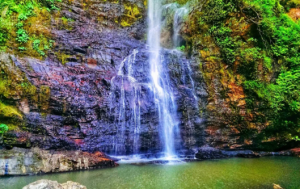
(294, 14)
(296, 151)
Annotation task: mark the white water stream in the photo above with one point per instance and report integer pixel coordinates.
(162, 90)
(126, 86)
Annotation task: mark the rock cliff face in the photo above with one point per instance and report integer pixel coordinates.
(71, 99)
(230, 47)
(77, 88)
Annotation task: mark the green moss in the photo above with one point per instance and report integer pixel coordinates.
(19, 34)
(132, 14)
(9, 111)
(62, 57)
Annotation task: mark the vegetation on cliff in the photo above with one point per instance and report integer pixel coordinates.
(3, 128)
(251, 48)
(24, 26)
(258, 43)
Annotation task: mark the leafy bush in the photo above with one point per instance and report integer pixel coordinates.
(22, 36)
(274, 43)
(2, 37)
(3, 128)
(283, 96)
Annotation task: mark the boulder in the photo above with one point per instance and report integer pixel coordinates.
(49, 184)
(43, 184)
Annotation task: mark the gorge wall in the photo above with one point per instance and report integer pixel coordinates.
(72, 98)
(63, 100)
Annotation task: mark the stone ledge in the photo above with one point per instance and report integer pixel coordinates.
(19, 161)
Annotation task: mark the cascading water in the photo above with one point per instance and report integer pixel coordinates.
(152, 84)
(124, 83)
(178, 18)
(162, 90)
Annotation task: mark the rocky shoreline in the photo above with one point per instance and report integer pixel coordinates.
(205, 153)
(22, 162)
(35, 161)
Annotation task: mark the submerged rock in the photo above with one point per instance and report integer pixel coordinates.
(49, 184)
(36, 161)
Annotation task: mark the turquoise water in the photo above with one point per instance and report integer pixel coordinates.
(236, 173)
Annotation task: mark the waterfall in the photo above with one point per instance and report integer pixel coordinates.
(164, 98)
(179, 15)
(124, 85)
(145, 91)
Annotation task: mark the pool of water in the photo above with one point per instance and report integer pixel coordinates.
(236, 173)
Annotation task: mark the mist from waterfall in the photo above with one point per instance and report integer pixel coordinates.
(164, 98)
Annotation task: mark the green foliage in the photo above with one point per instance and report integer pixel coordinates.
(2, 38)
(3, 128)
(182, 48)
(36, 44)
(225, 41)
(296, 138)
(283, 96)
(21, 31)
(273, 42)
(51, 4)
(22, 36)
(22, 48)
(217, 10)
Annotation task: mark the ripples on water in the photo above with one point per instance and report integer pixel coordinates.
(228, 173)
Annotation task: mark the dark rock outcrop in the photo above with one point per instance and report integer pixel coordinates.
(205, 153)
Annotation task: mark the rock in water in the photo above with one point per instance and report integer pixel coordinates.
(44, 184)
(49, 184)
